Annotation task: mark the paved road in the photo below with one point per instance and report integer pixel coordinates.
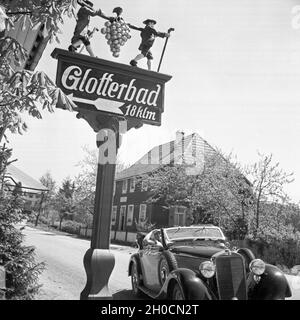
(64, 276)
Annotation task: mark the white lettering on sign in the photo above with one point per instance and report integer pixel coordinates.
(74, 79)
(140, 112)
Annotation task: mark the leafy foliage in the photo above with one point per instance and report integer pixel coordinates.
(84, 196)
(24, 90)
(284, 253)
(220, 194)
(50, 13)
(248, 203)
(47, 198)
(85, 181)
(18, 260)
(270, 205)
(64, 202)
(71, 226)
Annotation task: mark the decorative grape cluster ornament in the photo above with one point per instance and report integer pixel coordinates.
(116, 34)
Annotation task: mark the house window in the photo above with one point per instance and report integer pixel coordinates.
(114, 215)
(130, 211)
(142, 213)
(132, 185)
(114, 190)
(179, 216)
(144, 185)
(122, 220)
(124, 186)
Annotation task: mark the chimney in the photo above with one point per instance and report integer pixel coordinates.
(179, 148)
(179, 136)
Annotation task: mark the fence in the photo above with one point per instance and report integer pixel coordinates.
(85, 232)
(115, 236)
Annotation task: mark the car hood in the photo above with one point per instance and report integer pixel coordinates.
(197, 251)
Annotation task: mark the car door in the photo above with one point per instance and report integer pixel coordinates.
(150, 259)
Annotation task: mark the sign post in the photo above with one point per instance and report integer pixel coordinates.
(109, 96)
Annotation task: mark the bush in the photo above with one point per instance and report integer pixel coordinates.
(44, 220)
(54, 224)
(71, 226)
(22, 271)
(18, 260)
(283, 253)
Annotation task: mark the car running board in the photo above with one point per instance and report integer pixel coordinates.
(150, 293)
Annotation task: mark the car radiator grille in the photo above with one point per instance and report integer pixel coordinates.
(231, 277)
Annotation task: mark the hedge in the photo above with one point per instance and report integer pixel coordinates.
(71, 226)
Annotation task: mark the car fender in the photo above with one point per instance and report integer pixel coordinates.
(273, 285)
(134, 257)
(192, 286)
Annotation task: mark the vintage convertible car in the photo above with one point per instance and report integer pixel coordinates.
(195, 263)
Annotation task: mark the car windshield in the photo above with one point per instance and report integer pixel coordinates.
(181, 233)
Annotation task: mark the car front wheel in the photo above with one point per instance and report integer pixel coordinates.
(177, 293)
(135, 280)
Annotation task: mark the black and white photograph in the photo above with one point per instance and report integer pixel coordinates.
(149, 151)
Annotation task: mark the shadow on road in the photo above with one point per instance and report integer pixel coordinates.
(127, 295)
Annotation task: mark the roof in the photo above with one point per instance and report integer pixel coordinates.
(164, 154)
(18, 176)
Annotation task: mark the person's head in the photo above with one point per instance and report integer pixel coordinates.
(149, 22)
(118, 11)
(89, 3)
(85, 3)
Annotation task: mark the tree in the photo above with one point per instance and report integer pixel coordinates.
(64, 202)
(225, 194)
(294, 216)
(47, 197)
(24, 90)
(220, 194)
(18, 260)
(84, 195)
(85, 181)
(268, 182)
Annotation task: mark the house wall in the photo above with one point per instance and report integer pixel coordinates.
(155, 213)
(160, 216)
(193, 150)
(122, 229)
(32, 200)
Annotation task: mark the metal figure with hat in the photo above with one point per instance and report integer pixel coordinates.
(118, 11)
(81, 34)
(148, 34)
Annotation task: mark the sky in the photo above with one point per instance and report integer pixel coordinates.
(235, 69)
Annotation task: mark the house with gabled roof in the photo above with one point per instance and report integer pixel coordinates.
(130, 205)
(32, 190)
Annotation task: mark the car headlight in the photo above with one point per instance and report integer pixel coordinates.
(257, 266)
(207, 269)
